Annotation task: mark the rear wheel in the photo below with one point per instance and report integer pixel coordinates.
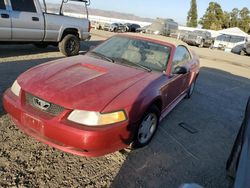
(70, 45)
(147, 128)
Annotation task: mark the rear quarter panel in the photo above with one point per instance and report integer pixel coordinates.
(56, 24)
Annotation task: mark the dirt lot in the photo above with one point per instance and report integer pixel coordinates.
(175, 156)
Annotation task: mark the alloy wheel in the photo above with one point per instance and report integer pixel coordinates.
(147, 128)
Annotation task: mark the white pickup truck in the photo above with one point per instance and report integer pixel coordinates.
(27, 21)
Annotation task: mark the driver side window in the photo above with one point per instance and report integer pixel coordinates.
(23, 5)
(181, 57)
(2, 5)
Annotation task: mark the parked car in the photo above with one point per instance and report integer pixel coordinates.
(162, 27)
(106, 27)
(132, 27)
(238, 164)
(242, 49)
(226, 41)
(199, 38)
(117, 27)
(25, 22)
(238, 49)
(103, 101)
(246, 49)
(180, 34)
(142, 29)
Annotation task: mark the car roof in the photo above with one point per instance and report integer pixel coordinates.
(160, 38)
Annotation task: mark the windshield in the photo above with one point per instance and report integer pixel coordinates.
(135, 52)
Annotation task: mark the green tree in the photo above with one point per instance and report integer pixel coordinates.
(244, 22)
(213, 17)
(226, 20)
(192, 15)
(235, 18)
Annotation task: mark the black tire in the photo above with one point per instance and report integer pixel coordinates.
(70, 45)
(242, 52)
(248, 48)
(138, 142)
(41, 45)
(201, 44)
(191, 90)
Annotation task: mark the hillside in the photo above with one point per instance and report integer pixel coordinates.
(73, 8)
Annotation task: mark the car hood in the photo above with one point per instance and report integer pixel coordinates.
(81, 82)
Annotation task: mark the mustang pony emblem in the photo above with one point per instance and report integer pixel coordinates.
(41, 104)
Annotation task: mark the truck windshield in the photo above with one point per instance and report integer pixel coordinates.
(199, 32)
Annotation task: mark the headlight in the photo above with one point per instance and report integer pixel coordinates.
(15, 88)
(95, 118)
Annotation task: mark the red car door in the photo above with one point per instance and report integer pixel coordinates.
(171, 90)
(177, 83)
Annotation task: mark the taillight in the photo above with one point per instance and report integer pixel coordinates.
(89, 26)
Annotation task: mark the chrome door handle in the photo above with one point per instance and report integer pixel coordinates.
(36, 19)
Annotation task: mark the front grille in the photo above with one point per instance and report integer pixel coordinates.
(52, 110)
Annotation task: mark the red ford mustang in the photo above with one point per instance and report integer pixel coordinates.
(101, 102)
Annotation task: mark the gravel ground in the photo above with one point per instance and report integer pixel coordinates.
(175, 156)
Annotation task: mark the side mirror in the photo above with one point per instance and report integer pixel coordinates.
(180, 70)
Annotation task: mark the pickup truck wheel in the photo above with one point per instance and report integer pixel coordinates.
(201, 44)
(70, 45)
(248, 48)
(41, 45)
(147, 128)
(242, 52)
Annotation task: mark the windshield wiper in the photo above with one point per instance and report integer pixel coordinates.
(102, 56)
(133, 63)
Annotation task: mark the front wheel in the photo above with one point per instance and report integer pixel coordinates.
(147, 128)
(201, 44)
(242, 52)
(70, 45)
